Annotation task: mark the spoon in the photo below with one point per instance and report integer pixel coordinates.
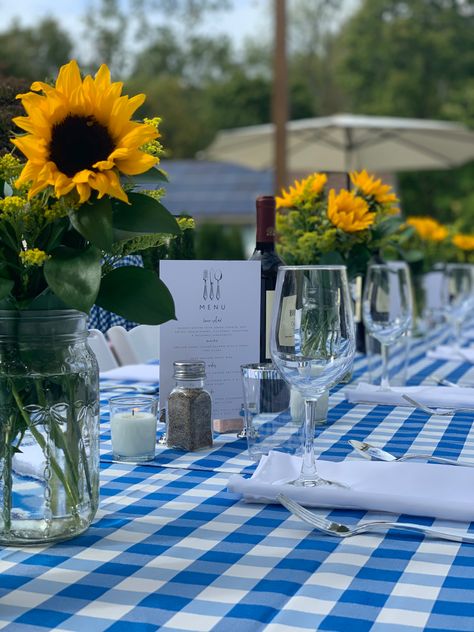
(371, 452)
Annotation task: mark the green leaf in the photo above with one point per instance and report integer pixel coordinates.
(144, 215)
(387, 227)
(46, 300)
(154, 175)
(333, 258)
(94, 222)
(74, 276)
(411, 256)
(6, 286)
(136, 294)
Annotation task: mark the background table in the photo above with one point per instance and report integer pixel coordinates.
(171, 549)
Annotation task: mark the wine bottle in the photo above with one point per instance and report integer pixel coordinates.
(270, 261)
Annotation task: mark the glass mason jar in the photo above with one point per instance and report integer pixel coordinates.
(49, 427)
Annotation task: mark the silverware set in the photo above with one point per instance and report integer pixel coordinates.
(341, 530)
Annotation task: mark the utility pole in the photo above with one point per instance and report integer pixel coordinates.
(280, 95)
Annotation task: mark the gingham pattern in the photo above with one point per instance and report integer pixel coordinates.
(171, 549)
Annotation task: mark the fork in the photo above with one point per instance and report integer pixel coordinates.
(340, 530)
(436, 411)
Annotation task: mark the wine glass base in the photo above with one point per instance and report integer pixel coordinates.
(317, 482)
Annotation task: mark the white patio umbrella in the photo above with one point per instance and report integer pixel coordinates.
(345, 142)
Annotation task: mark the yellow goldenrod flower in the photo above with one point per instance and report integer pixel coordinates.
(464, 242)
(153, 147)
(11, 206)
(428, 228)
(9, 167)
(349, 212)
(302, 191)
(33, 257)
(80, 135)
(372, 188)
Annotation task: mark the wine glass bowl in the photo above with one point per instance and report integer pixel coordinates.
(312, 340)
(387, 307)
(458, 295)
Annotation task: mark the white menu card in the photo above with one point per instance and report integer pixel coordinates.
(218, 321)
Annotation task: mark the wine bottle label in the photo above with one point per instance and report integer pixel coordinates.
(269, 297)
(382, 302)
(286, 333)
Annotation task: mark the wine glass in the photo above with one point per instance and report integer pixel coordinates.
(458, 295)
(312, 341)
(387, 307)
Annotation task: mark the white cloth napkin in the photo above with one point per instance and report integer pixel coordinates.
(442, 396)
(447, 352)
(420, 489)
(136, 372)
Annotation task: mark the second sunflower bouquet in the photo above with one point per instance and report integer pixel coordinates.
(349, 227)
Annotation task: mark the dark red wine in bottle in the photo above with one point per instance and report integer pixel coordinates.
(270, 261)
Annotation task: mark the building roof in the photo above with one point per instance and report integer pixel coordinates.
(214, 190)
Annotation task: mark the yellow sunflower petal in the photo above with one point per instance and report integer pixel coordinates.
(112, 187)
(138, 136)
(84, 192)
(136, 163)
(69, 78)
(102, 165)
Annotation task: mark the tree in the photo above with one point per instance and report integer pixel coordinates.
(34, 53)
(415, 59)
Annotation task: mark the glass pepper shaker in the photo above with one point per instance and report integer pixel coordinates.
(189, 409)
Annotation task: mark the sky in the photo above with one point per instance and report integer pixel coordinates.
(242, 20)
(246, 18)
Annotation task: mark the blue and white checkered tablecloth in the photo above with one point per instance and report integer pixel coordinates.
(171, 549)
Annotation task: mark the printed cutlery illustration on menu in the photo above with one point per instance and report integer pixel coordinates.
(211, 284)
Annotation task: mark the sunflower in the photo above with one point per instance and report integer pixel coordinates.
(80, 136)
(428, 228)
(464, 242)
(372, 188)
(349, 212)
(302, 191)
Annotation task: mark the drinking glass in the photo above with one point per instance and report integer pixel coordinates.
(312, 341)
(458, 296)
(387, 307)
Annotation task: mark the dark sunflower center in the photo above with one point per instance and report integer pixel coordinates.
(78, 142)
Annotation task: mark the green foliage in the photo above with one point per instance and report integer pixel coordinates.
(214, 241)
(34, 53)
(152, 302)
(414, 59)
(74, 276)
(9, 108)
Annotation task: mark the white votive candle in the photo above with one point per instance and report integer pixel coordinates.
(133, 435)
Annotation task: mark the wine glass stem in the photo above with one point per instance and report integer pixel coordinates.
(457, 333)
(308, 466)
(384, 383)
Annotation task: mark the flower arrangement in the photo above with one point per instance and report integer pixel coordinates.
(346, 227)
(427, 243)
(464, 244)
(73, 209)
(66, 215)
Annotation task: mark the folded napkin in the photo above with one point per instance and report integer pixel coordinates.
(135, 372)
(447, 352)
(442, 396)
(411, 488)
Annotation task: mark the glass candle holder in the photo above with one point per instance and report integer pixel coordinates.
(133, 427)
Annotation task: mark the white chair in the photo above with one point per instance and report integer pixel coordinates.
(137, 346)
(100, 347)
